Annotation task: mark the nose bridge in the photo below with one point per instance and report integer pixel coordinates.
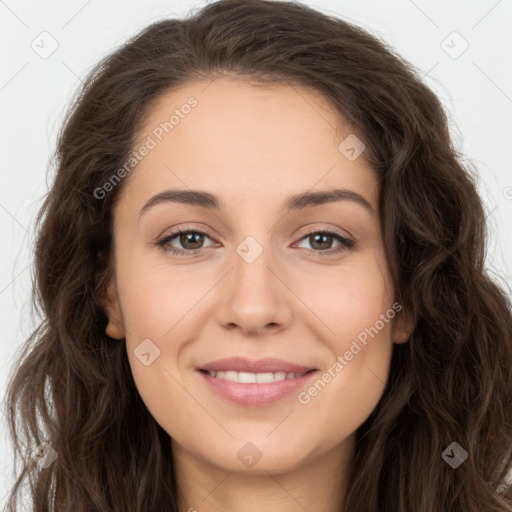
(252, 276)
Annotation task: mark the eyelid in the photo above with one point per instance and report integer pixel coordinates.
(185, 228)
(309, 230)
(317, 229)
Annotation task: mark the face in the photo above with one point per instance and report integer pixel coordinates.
(294, 290)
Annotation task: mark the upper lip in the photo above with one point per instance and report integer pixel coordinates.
(241, 364)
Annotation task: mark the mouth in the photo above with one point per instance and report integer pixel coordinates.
(255, 383)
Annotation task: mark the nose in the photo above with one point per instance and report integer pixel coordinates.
(254, 297)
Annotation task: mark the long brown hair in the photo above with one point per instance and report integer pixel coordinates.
(451, 383)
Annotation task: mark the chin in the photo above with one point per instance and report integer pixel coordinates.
(257, 455)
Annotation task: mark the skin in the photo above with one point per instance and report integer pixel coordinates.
(253, 147)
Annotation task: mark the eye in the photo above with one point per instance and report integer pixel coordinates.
(192, 240)
(322, 240)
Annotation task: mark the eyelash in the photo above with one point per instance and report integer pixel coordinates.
(345, 243)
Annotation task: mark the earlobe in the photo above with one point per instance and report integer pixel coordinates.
(115, 328)
(403, 327)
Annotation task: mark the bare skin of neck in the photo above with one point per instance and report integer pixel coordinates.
(319, 486)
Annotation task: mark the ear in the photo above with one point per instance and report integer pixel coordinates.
(115, 328)
(402, 328)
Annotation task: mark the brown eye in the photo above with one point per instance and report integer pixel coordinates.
(321, 242)
(191, 241)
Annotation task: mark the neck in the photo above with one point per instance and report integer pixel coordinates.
(320, 484)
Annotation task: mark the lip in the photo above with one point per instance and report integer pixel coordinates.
(255, 394)
(241, 364)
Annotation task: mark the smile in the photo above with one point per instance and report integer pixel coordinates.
(255, 389)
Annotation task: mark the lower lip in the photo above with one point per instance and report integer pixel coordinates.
(255, 394)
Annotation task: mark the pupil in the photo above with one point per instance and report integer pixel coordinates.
(187, 237)
(323, 245)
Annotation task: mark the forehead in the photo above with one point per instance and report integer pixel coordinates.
(264, 141)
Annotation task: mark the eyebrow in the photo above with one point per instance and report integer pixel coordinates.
(294, 202)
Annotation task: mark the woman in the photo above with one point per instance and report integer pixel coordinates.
(195, 354)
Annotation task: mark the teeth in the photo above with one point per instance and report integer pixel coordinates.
(250, 378)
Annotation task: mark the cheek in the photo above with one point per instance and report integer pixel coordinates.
(348, 300)
(154, 299)
(159, 305)
(355, 309)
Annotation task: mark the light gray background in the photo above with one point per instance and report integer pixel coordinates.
(476, 89)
